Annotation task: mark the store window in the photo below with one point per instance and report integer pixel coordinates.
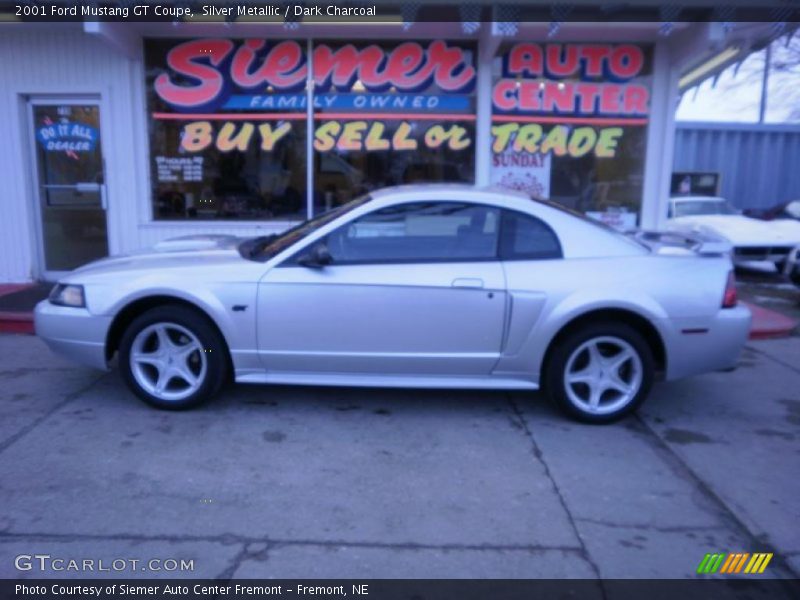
(227, 125)
(569, 124)
(391, 113)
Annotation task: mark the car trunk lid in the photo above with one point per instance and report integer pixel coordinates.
(673, 243)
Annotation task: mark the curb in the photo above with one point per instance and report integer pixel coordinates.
(768, 324)
(16, 322)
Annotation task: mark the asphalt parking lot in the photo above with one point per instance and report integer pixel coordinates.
(333, 482)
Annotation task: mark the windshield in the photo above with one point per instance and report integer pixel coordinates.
(693, 208)
(265, 247)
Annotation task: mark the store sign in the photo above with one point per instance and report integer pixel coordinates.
(209, 74)
(572, 79)
(371, 136)
(560, 140)
(67, 136)
(522, 171)
(559, 99)
(552, 103)
(351, 102)
(344, 136)
(366, 98)
(584, 92)
(173, 169)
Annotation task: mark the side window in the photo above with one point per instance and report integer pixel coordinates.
(526, 237)
(419, 232)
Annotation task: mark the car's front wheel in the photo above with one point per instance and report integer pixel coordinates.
(600, 373)
(172, 357)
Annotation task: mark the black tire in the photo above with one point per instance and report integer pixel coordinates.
(215, 355)
(794, 276)
(555, 386)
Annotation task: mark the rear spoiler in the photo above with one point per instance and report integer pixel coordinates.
(672, 242)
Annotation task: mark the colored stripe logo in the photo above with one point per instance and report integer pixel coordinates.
(734, 562)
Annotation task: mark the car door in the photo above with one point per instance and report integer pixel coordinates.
(412, 289)
(531, 256)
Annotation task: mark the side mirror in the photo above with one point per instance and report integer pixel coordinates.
(316, 258)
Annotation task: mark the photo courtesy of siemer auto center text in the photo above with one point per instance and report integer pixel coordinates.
(399, 299)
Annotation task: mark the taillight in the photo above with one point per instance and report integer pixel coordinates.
(729, 299)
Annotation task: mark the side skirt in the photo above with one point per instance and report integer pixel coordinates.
(391, 381)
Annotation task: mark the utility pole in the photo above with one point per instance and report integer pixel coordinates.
(764, 82)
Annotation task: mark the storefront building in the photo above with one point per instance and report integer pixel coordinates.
(118, 136)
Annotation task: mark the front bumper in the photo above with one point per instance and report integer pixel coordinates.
(74, 333)
(714, 346)
(791, 268)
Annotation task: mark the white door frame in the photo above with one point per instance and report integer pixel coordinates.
(31, 101)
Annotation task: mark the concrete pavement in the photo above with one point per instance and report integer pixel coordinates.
(335, 482)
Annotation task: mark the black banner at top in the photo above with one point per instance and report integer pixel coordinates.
(399, 11)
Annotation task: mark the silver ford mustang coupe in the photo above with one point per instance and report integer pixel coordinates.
(435, 286)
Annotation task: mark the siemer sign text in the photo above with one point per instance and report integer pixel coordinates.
(552, 98)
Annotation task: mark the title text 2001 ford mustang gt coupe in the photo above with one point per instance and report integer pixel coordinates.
(418, 286)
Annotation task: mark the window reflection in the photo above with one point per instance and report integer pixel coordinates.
(239, 153)
(569, 124)
(392, 113)
(424, 231)
(238, 184)
(344, 174)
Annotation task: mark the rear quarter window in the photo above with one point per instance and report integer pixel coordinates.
(525, 237)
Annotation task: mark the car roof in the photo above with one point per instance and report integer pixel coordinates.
(442, 188)
(443, 192)
(698, 199)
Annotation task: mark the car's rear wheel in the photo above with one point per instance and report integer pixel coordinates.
(600, 372)
(172, 357)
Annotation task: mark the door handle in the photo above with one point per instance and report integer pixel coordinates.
(91, 187)
(467, 282)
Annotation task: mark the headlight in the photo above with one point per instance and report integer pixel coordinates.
(65, 294)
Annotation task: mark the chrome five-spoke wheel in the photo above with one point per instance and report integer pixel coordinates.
(168, 361)
(173, 357)
(603, 375)
(600, 372)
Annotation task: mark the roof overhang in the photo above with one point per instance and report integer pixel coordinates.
(716, 46)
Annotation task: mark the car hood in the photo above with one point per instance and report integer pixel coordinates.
(741, 230)
(181, 252)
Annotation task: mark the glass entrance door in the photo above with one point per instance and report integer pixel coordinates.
(70, 184)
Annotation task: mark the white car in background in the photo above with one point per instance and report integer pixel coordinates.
(752, 239)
